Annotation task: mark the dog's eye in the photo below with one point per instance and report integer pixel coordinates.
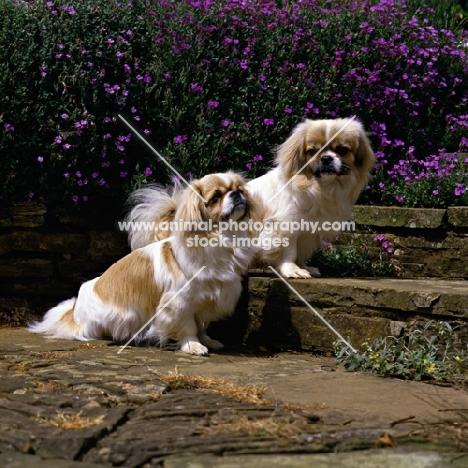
(215, 198)
(341, 150)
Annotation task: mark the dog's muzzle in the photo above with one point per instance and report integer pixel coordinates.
(237, 203)
(330, 165)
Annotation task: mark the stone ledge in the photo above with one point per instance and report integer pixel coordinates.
(361, 309)
(458, 216)
(390, 216)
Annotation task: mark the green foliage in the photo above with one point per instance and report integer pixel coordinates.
(436, 182)
(216, 85)
(363, 255)
(427, 354)
(443, 11)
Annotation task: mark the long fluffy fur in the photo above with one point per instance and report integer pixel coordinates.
(152, 282)
(150, 204)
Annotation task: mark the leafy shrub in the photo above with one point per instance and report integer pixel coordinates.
(215, 85)
(357, 256)
(423, 354)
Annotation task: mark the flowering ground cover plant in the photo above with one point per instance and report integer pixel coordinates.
(216, 84)
(366, 255)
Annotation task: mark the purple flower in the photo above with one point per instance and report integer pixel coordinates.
(180, 139)
(460, 189)
(64, 116)
(226, 123)
(288, 110)
(147, 171)
(213, 104)
(58, 140)
(195, 87)
(167, 75)
(40, 159)
(268, 121)
(67, 146)
(8, 127)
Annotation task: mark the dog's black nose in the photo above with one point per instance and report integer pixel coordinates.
(236, 196)
(326, 160)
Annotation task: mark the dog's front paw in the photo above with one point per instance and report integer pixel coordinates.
(210, 343)
(191, 345)
(291, 270)
(314, 272)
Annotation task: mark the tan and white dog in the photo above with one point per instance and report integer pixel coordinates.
(151, 283)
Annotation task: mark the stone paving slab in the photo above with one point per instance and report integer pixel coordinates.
(313, 413)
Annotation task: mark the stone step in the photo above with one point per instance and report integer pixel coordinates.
(360, 309)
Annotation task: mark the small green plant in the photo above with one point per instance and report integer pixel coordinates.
(425, 354)
(364, 255)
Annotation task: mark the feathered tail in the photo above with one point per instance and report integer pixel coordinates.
(59, 322)
(152, 205)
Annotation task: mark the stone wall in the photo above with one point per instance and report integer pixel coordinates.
(360, 309)
(428, 242)
(45, 256)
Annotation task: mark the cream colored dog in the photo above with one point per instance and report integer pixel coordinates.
(320, 171)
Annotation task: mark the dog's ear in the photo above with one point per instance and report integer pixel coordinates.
(364, 161)
(365, 157)
(192, 208)
(290, 155)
